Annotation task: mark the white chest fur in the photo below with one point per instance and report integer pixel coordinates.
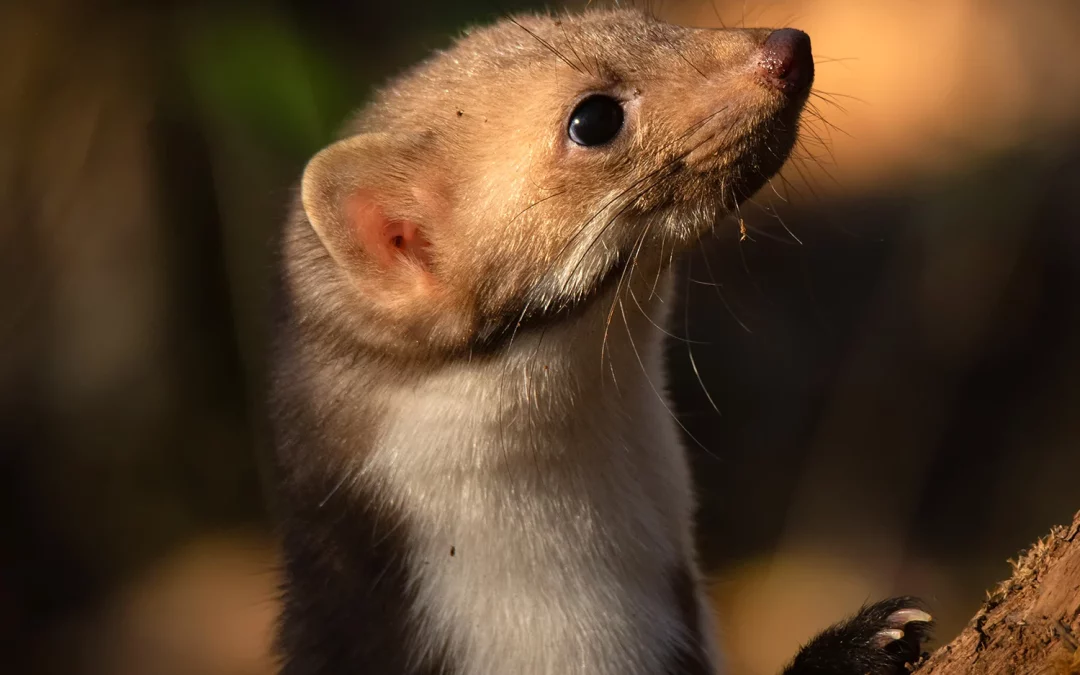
(546, 507)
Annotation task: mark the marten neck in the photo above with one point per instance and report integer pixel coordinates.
(524, 511)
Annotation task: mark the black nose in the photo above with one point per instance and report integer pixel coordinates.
(786, 61)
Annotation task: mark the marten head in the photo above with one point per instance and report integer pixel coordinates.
(511, 178)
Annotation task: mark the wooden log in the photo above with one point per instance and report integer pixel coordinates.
(1030, 624)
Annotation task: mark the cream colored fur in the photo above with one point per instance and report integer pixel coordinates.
(547, 501)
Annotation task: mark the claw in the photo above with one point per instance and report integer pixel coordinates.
(903, 617)
(884, 637)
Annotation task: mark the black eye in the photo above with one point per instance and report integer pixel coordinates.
(595, 121)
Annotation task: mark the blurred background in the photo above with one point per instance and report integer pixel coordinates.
(893, 347)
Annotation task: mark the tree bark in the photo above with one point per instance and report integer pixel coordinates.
(1030, 624)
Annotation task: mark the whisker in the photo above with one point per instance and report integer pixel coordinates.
(659, 269)
(795, 162)
(787, 229)
(652, 174)
(548, 45)
(816, 114)
(633, 296)
(746, 268)
(772, 187)
(537, 203)
(517, 324)
(656, 392)
(690, 343)
(828, 59)
(720, 294)
(570, 43)
(618, 287)
(773, 237)
(773, 213)
(789, 187)
(687, 62)
(634, 254)
(831, 102)
(838, 95)
(346, 476)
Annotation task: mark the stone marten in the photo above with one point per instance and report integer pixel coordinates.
(479, 470)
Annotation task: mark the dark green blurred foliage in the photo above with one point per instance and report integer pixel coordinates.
(259, 72)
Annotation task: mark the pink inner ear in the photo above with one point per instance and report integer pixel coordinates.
(383, 239)
(405, 237)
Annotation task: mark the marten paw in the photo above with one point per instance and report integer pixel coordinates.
(882, 639)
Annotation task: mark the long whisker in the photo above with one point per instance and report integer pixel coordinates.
(537, 203)
(659, 269)
(673, 336)
(622, 277)
(720, 294)
(686, 330)
(828, 59)
(746, 268)
(659, 396)
(687, 62)
(657, 173)
(688, 132)
(786, 228)
(548, 45)
(635, 249)
(570, 43)
(771, 236)
(831, 102)
(821, 93)
(814, 112)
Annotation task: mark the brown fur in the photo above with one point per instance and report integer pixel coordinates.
(470, 146)
(454, 217)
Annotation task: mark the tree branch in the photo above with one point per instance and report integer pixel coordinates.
(1030, 624)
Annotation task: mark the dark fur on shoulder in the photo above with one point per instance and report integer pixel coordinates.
(346, 607)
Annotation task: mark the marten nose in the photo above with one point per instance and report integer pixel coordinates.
(786, 62)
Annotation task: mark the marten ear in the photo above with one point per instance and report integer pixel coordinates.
(379, 209)
(367, 204)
